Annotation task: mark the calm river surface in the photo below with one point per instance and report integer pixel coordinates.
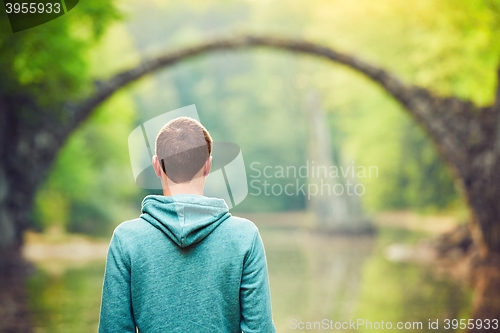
(315, 279)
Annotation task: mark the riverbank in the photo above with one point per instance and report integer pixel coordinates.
(75, 248)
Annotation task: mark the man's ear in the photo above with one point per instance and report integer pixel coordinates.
(157, 166)
(207, 166)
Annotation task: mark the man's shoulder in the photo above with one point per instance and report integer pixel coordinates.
(240, 225)
(132, 227)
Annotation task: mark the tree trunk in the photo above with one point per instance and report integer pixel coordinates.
(14, 313)
(482, 188)
(26, 153)
(486, 302)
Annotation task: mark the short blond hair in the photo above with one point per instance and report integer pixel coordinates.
(183, 146)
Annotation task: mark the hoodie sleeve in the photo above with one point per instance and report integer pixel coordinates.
(255, 297)
(116, 306)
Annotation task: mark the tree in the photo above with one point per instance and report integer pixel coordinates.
(33, 86)
(467, 137)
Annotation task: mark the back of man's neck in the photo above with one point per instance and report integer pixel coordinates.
(182, 189)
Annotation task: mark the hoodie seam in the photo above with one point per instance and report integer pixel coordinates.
(253, 247)
(197, 203)
(183, 235)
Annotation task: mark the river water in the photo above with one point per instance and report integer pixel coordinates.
(319, 283)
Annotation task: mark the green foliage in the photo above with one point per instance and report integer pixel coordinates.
(375, 131)
(52, 209)
(246, 99)
(423, 176)
(49, 62)
(442, 45)
(92, 177)
(257, 99)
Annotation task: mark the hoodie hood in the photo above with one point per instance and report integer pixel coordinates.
(187, 218)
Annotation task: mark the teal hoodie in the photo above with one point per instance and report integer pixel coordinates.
(186, 265)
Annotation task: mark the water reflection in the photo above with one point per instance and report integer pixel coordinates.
(313, 277)
(67, 301)
(316, 277)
